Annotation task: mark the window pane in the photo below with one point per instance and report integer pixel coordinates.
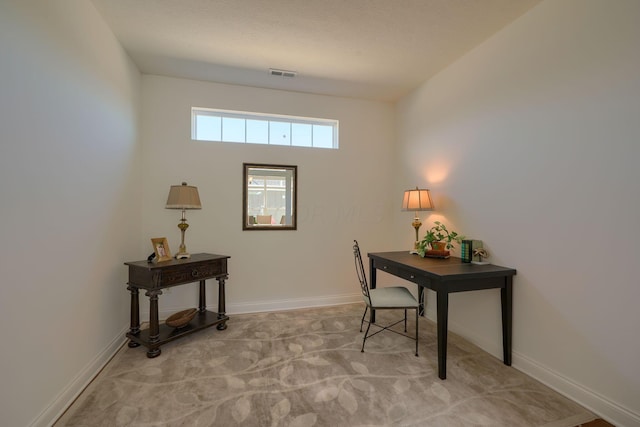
(258, 131)
(233, 129)
(322, 136)
(279, 133)
(255, 202)
(301, 135)
(208, 128)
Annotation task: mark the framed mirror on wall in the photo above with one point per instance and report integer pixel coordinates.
(269, 197)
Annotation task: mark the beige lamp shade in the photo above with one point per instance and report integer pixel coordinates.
(417, 200)
(183, 197)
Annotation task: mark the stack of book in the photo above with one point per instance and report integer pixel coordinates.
(467, 247)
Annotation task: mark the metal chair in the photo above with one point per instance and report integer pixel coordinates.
(387, 298)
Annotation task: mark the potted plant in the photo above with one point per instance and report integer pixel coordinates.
(438, 238)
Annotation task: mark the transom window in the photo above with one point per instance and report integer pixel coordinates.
(257, 128)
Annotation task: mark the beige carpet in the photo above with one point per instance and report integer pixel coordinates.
(304, 368)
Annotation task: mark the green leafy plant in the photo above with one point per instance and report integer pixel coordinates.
(438, 233)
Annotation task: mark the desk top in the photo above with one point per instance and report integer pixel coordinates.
(442, 269)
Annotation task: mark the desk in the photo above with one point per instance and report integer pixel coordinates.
(155, 276)
(445, 276)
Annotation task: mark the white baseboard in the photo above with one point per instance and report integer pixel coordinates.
(292, 304)
(610, 411)
(70, 393)
(265, 306)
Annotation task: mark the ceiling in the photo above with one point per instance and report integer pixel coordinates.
(371, 49)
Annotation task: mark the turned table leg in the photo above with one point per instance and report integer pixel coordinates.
(202, 300)
(221, 303)
(154, 324)
(134, 325)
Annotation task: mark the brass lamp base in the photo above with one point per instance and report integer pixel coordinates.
(182, 251)
(416, 224)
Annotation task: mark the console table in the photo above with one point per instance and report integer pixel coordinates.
(445, 276)
(155, 276)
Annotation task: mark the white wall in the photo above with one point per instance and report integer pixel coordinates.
(68, 202)
(531, 143)
(342, 194)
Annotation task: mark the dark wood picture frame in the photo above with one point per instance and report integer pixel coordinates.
(256, 185)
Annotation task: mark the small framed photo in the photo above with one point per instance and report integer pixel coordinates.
(161, 248)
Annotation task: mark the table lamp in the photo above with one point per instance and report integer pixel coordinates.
(416, 200)
(183, 197)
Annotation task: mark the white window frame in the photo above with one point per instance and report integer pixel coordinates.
(244, 115)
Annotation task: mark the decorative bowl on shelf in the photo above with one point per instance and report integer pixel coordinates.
(181, 318)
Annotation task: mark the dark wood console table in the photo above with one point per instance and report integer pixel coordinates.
(445, 276)
(155, 276)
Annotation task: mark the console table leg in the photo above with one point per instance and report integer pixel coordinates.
(154, 324)
(443, 316)
(202, 301)
(134, 324)
(221, 303)
(506, 297)
(421, 301)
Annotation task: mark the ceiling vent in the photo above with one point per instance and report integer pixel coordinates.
(282, 73)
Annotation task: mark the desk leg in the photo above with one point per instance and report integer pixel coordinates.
(443, 315)
(154, 324)
(134, 327)
(202, 300)
(372, 285)
(506, 297)
(221, 303)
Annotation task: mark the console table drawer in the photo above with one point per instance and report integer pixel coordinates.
(174, 276)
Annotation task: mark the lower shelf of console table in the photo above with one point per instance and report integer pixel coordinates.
(168, 334)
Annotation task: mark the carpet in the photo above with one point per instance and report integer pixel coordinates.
(304, 368)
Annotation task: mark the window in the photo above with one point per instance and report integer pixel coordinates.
(256, 128)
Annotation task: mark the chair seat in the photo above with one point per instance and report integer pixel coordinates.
(391, 297)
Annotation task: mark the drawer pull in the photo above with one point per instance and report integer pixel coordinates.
(384, 268)
(195, 273)
(413, 277)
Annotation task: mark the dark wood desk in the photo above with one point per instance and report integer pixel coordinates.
(155, 276)
(445, 276)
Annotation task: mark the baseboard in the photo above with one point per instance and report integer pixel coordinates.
(265, 306)
(292, 304)
(610, 411)
(70, 393)
(603, 407)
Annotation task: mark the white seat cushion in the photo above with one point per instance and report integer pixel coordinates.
(391, 297)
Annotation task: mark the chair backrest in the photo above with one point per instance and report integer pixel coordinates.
(362, 278)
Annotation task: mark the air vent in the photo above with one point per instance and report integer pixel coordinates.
(282, 73)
